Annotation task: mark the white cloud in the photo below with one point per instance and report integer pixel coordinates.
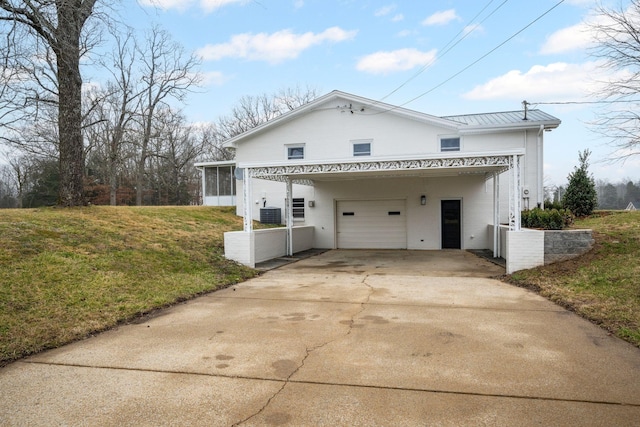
(397, 18)
(167, 4)
(575, 37)
(441, 18)
(207, 5)
(211, 5)
(385, 10)
(406, 33)
(475, 29)
(397, 60)
(555, 82)
(272, 48)
(214, 78)
(298, 4)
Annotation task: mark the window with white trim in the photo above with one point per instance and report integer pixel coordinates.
(361, 147)
(295, 152)
(450, 144)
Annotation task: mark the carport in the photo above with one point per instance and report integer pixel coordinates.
(250, 246)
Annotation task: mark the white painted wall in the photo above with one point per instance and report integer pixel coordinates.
(270, 244)
(262, 245)
(524, 249)
(327, 135)
(303, 238)
(275, 195)
(423, 222)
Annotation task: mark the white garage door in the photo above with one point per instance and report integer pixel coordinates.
(372, 224)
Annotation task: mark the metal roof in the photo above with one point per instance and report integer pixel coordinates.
(505, 118)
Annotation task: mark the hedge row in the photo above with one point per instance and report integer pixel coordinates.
(548, 219)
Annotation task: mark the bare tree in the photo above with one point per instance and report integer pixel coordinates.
(114, 109)
(167, 73)
(617, 45)
(252, 111)
(58, 26)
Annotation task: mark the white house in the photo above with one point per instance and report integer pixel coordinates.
(350, 172)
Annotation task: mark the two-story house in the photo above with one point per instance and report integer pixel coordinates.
(350, 172)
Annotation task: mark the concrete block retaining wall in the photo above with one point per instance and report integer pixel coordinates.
(561, 245)
(531, 248)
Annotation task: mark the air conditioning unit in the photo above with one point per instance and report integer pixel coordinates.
(270, 215)
(526, 193)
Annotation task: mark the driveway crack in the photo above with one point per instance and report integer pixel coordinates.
(362, 304)
(309, 350)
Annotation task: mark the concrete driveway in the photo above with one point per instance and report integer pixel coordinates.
(346, 338)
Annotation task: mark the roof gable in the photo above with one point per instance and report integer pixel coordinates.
(347, 102)
(500, 121)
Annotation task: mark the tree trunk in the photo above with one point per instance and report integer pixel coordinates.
(70, 107)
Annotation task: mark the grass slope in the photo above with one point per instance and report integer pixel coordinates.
(66, 273)
(602, 285)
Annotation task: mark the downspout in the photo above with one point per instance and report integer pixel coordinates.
(540, 171)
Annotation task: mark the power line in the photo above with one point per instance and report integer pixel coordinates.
(446, 49)
(486, 54)
(584, 102)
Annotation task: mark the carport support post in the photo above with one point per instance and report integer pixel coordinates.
(496, 215)
(514, 194)
(289, 217)
(247, 206)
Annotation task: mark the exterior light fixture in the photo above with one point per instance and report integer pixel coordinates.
(423, 200)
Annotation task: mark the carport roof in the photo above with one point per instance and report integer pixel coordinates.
(484, 164)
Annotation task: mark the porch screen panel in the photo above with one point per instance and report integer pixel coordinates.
(220, 181)
(226, 181)
(211, 181)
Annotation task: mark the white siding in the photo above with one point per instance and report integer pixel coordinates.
(423, 222)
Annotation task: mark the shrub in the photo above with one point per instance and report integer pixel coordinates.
(581, 196)
(548, 204)
(552, 219)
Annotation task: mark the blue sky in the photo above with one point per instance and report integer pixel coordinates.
(397, 51)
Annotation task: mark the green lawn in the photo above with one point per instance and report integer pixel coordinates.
(67, 273)
(603, 285)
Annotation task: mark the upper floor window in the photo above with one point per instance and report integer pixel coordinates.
(450, 144)
(361, 148)
(295, 152)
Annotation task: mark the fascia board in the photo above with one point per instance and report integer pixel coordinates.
(511, 152)
(216, 163)
(506, 128)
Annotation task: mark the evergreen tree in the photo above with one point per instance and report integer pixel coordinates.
(581, 197)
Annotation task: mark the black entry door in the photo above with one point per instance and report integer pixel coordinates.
(450, 224)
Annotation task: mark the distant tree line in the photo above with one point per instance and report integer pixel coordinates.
(583, 193)
(614, 196)
(133, 157)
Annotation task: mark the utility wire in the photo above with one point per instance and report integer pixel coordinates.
(482, 57)
(584, 102)
(446, 49)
